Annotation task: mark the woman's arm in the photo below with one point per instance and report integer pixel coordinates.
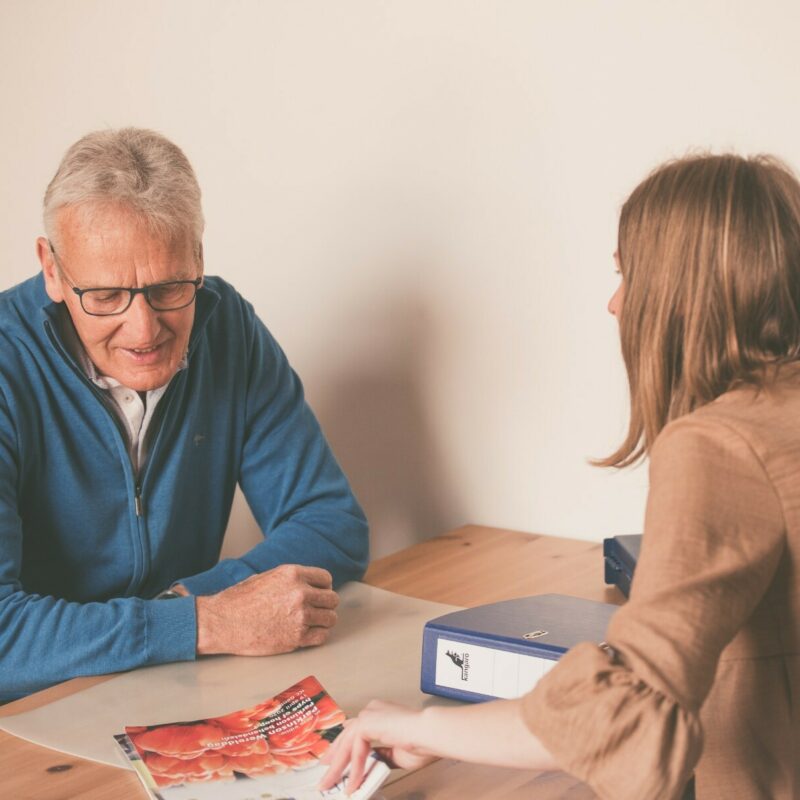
(626, 720)
(488, 733)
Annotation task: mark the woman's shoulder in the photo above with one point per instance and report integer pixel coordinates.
(747, 422)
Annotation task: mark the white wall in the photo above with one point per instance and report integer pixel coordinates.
(420, 198)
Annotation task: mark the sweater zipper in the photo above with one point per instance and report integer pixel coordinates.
(106, 403)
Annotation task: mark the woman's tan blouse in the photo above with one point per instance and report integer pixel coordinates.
(704, 671)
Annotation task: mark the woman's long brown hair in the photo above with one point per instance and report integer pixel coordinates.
(709, 250)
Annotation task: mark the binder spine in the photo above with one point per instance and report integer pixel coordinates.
(475, 668)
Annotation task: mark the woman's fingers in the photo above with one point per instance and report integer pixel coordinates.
(338, 756)
(359, 754)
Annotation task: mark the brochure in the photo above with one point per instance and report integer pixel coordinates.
(268, 752)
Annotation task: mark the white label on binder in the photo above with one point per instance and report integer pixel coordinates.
(485, 670)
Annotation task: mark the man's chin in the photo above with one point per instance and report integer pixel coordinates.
(144, 379)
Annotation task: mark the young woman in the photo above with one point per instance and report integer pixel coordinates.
(701, 673)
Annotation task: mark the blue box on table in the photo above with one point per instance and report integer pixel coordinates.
(620, 554)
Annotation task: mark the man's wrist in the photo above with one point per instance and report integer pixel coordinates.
(207, 640)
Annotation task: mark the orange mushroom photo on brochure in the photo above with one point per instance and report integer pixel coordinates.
(269, 750)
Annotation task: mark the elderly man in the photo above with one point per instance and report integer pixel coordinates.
(135, 392)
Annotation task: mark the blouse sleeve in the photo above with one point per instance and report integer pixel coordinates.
(625, 719)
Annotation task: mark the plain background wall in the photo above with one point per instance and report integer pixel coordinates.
(420, 198)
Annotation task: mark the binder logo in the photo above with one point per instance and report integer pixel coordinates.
(462, 662)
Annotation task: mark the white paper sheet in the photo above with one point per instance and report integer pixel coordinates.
(374, 651)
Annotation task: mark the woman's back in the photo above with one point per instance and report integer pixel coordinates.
(707, 652)
(751, 718)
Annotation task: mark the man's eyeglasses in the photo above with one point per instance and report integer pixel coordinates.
(108, 301)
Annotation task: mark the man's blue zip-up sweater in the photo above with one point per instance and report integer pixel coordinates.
(84, 543)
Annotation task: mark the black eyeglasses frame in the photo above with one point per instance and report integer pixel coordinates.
(132, 292)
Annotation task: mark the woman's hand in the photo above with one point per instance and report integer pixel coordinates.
(392, 727)
(482, 733)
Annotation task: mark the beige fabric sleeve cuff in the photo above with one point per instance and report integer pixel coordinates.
(610, 729)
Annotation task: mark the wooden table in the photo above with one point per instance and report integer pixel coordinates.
(469, 566)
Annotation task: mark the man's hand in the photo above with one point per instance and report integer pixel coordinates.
(275, 612)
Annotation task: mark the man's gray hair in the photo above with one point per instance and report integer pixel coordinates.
(132, 167)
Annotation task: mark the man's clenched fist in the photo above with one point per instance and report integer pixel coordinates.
(275, 612)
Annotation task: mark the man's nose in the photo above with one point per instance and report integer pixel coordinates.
(142, 321)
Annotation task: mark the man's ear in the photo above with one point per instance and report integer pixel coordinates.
(52, 280)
